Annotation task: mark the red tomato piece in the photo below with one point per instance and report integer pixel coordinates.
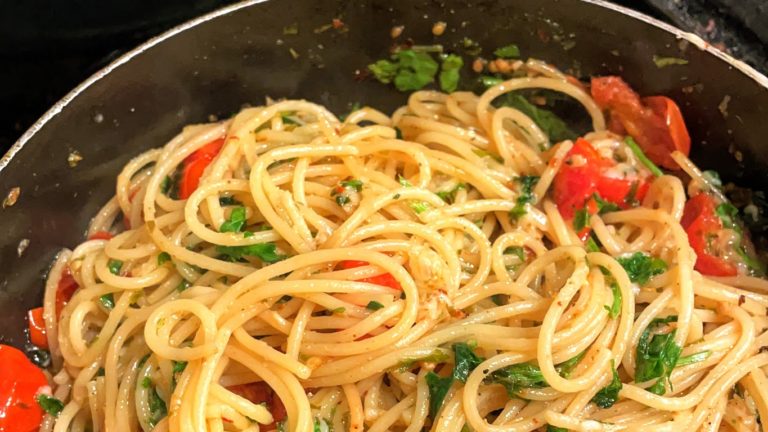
(261, 392)
(195, 164)
(577, 179)
(654, 122)
(20, 383)
(100, 235)
(384, 279)
(700, 222)
(37, 327)
(65, 290)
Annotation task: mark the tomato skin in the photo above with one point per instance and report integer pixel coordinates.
(583, 174)
(261, 392)
(700, 220)
(384, 279)
(654, 122)
(37, 334)
(195, 164)
(20, 383)
(65, 290)
(100, 235)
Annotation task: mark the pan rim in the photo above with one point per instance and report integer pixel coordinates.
(62, 103)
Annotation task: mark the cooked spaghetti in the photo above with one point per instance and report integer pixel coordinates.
(446, 268)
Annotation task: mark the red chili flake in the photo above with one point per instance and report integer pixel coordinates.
(337, 23)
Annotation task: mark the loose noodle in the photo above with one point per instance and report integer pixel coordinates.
(302, 326)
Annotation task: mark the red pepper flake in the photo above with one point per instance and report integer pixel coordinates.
(12, 197)
(742, 300)
(337, 23)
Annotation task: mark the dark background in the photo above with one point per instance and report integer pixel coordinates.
(47, 47)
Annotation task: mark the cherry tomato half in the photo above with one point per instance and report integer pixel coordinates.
(20, 383)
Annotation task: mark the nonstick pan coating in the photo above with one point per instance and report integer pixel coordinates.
(238, 55)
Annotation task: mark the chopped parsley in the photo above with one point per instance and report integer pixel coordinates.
(235, 222)
(50, 404)
(163, 258)
(108, 301)
(449, 196)
(641, 267)
(157, 408)
(525, 196)
(509, 51)
(115, 266)
(449, 74)
(608, 395)
(353, 184)
(374, 305)
(266, 252)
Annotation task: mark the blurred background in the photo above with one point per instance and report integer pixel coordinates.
(48, 47)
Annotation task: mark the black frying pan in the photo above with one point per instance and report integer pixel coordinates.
(238, 55)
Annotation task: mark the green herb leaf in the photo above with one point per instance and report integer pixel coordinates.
(641, 267)
(591, 244)
(108, 301)
(580, 219)
(517, 251)
(449, 196)
(668, 61)
(353, 184)
(630, 142)
(551, 428)
(549, 123)
(608, 395)
(50, 404)
(465, 361)
(490, 81)
(115, 266)
(527, 183)
(374, 305)
(483, 153)
(449, 75)
(509, 51)
(604, 206)
(266, 252)
(183, 285)
(517, 377)
(157, 408)
(146, 382)
(418, 206)
(410, 70)
(438, 388)
(163, 258)
(228, 200)
(615, 308)
(398, 133)
(566, 368)
(235, 222)
(729, 215)
(657, 354)
(165, 185)
(499, 299)
(338, 310)
(693, 358)
(437, 356)
(342, 199)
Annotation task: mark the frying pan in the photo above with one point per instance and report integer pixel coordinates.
(215, 64)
